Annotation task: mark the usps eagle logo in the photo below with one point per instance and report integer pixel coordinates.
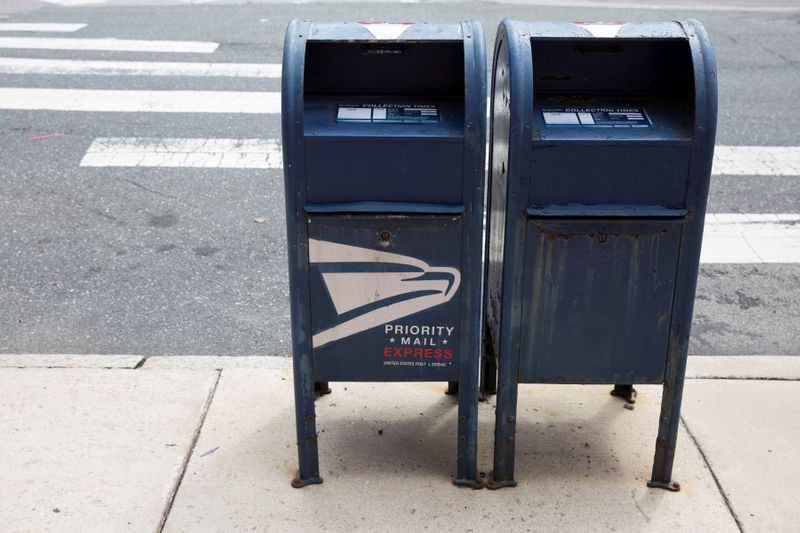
(370, 288)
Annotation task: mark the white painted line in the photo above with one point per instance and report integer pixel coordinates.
(751, 238)
(783, 367)
(41, 26)
(111, 45)
(140, 101)
(23, 65)
(72, 3)
(186, 153)
(665, 5)
(728, 237)
(757, 160)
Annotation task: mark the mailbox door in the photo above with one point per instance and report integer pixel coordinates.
(385, 297)
(597, 300)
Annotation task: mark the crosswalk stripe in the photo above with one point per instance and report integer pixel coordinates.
(187, 153)
(111, 45)
(757, 160)
(751, 238)
(140, 101)
(729, 237)
(23, 65)
(734, 6)
(74, 3)
(57, 27)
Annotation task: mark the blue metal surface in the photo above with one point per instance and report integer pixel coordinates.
(600, 164)
(387, 207)
(605, 211)
(597, 296)
(422, 346)
(297, 248)
(704, 132)
(384, 212)
(356, 32)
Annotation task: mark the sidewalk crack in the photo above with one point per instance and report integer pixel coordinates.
(189, 454)
(722, 493)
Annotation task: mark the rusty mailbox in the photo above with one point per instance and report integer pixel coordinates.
(601, 144)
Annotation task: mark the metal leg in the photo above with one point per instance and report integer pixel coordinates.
(467, 390)
(488, 376)
(452, 388)
(626, 392)
(670, 419)
(321, 388)
(467, 469)
(505, 426)
(307, 452)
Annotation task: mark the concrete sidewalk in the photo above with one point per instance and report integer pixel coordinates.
(124, 443)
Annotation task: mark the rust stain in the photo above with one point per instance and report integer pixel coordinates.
(433, 386)
(527, 392)
(686, 489)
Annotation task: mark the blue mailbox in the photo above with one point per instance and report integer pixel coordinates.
(384, 129)
(602, 137)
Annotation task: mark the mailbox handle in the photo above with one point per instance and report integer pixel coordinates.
(386, 207)
(605, 211)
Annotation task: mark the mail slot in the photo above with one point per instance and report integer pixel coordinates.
(601, 144)
(384, 128)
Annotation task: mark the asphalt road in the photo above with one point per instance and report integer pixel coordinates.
(192, 261)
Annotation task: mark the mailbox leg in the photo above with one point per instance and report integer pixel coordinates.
(505, 429)
(669, 422)
(307, 453)
(626, 392)
(467, 467)
(488, 366)
(321, 388)
(488, 377)
(452, 388)
(488, 374)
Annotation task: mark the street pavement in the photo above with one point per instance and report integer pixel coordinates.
(142, 218)
(116, 236)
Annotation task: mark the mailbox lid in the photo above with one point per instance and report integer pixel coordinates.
(384, 121)
(625, 174)
(591, 30)
(613, 116)
(385, 170)
(385, 31)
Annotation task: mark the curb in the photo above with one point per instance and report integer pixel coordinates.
(746, 367)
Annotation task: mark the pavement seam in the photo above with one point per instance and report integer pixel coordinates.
(189, 454)
(722, 493)
(141, 362)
